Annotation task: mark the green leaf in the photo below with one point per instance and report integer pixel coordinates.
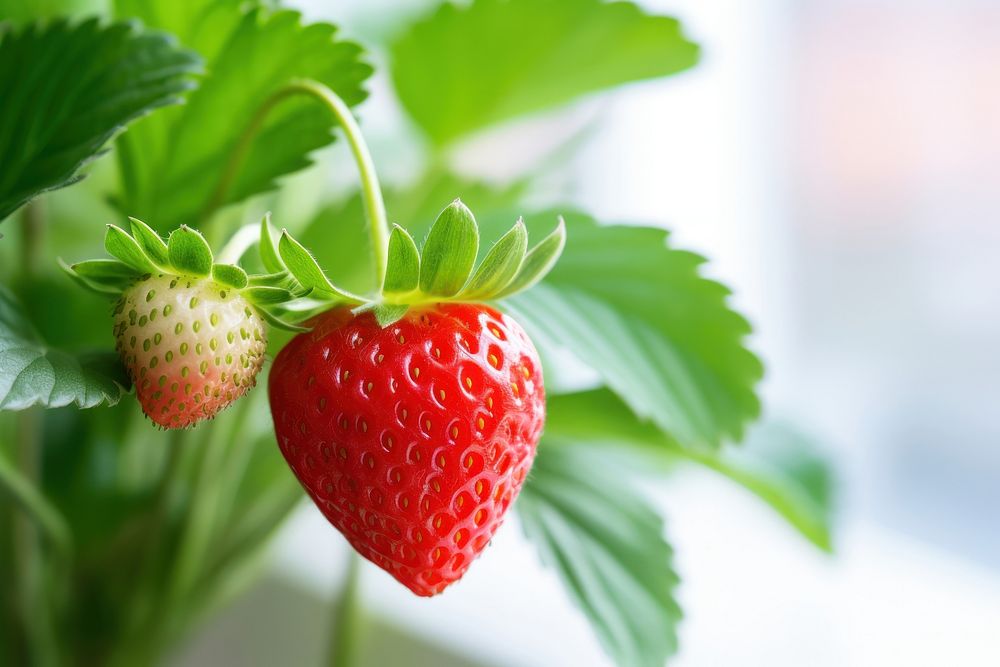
(22, 11)
(119, 244)
(189, 252)
(641, 315)
(500, 265)
(776, 464)
(606, 544)
(304, 268)
(538, 262)
(784, 469)
(403, 269)
(31, 373)
(151, 243)
(229, 274)
(177, 167)
(464, 68)
(68, 89)
(449, 252)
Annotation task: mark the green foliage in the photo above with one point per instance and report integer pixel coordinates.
(464, 68)
(784, 469)
(59, 112)
(167, 526)
(781, 467)
(606, 543)
(661, 335)
(180, 166)
(22, 11)
(31, 373)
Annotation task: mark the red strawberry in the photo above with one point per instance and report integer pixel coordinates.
(191, 346)
(415, 438)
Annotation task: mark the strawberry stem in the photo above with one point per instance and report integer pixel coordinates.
(371, 192)
(25, 493)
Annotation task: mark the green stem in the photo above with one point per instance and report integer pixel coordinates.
(347, 619)
(32, 227)
(371, 192)
(40, 588)
(33, 503)
(147, 596)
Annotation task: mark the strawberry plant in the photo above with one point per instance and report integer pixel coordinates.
(495, 352)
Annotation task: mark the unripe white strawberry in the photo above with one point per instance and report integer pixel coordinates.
(190, 332)
(191, 346)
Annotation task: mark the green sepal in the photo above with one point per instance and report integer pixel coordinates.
(231, 275)
(279, 323)
(283, 280)
(500, 265)
(538, 262)
(103, 290)
(449, 252)
(385, 313)
(151, 243)
(269, 279)
(403, 267)
(189, 252)
(120, 244)
(302, 265)
(267, 296)
(305, 304)
(107, 272)
(268, 252)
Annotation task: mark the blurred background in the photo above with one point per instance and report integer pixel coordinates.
(839, 162)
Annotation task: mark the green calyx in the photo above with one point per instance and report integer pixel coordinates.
(295, 288)
(444, 269)
(141, 252)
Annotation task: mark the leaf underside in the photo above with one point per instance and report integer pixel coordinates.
(31, 373)
(606, 544)
(68, 88)
(776, 464)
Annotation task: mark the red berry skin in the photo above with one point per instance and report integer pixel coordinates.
(413, 440)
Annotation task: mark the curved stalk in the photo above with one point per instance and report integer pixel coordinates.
(371, 192)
